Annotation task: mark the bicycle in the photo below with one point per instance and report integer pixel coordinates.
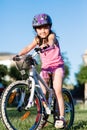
(24, 104)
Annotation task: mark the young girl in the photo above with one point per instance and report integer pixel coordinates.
(51, 59)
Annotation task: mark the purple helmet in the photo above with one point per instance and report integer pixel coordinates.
(41, 19)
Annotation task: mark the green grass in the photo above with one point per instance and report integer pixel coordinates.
(80, 121)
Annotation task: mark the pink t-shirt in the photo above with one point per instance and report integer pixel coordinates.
(51, 57)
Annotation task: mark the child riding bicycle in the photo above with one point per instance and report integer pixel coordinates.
(51, 59)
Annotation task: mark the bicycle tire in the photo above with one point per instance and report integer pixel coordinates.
(12, 118)
(69, 108)
(69, 111)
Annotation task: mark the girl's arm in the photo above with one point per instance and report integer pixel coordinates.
(28, 48)
(52, 40)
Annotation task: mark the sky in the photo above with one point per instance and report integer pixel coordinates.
(69, 19)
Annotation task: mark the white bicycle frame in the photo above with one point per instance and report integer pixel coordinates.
(35, 78)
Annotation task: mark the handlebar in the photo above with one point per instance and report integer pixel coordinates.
(37, 51)
(18, 58)
(26, 61)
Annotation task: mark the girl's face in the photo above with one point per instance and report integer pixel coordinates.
(43, 31)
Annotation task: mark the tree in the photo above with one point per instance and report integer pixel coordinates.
(14, 73)
(81, 77)
(66, 67)
(3, 73)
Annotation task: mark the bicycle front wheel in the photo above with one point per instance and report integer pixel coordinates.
(20, 120)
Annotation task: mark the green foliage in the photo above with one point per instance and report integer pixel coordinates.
(3, 71)
(81, 76)
(66, 67)
(14, 73)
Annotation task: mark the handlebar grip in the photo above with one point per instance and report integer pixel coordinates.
(41, 49)
(37, 49)
(16, 58)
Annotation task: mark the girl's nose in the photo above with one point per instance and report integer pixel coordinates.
(42, 29)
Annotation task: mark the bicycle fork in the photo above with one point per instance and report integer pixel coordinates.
(31, 97)
(23, 94)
